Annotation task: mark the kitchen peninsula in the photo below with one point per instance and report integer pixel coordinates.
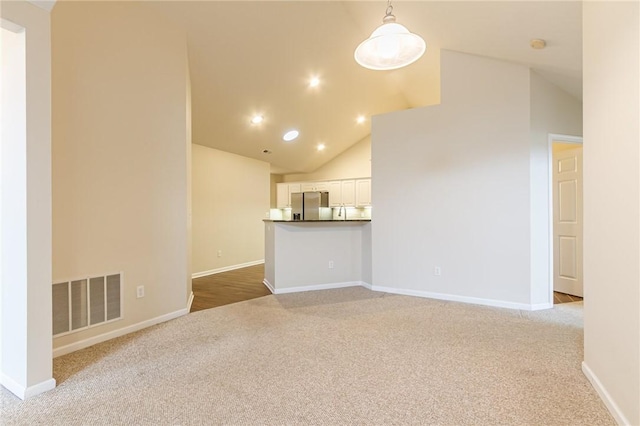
(316, 254)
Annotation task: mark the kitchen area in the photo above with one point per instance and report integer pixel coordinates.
(347, 198)
(319, 236)
(240, 203)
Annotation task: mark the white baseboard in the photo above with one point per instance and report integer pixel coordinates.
(540, 306)
(605, 396)
(314, 287)
(226, 268)
(24, 392)
(75, 346)
(416, 293)
(41, 387)
(190, 302)
(269, 286)
(454, 298)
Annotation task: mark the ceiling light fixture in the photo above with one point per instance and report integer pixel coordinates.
(360, 119)
(390, 46)
(321, 147)
(314, 82)
(257, 119)
(290, 135)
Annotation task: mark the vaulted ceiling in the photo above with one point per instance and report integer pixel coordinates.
(256, 57)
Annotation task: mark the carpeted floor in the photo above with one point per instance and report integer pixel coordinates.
(348, 356)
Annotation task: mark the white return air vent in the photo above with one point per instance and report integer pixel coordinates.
(87, 302)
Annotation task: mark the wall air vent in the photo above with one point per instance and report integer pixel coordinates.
(86, 302)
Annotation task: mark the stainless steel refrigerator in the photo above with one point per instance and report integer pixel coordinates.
(310, 206)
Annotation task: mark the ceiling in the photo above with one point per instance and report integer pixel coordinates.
(256, 57)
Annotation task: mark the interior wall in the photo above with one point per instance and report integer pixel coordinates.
(120, 156)
(188, 165)
(611, 58)
(230, 200)
(355, 162)
(273, 185)
(552, 111)
(25, 314)
(13, 265)
(462, 168)
(301, 254)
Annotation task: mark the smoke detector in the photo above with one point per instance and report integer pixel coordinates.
(538, 43)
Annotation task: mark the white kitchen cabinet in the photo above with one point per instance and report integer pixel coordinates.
(335, 193)
(322, 186)
(342, 193)
(314, 186)
(349, 193)
(283, 194)
(293, 187)
(363, 192)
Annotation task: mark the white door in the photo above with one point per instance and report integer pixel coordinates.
(567, 221)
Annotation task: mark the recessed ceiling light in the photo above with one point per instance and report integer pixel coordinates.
(314, 82)
(257, 119)
(290, 135)
(361, 119)
(321, 147)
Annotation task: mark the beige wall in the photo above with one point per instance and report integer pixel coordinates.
(120, 156)
(25, 310)
(451, 188)
(611, 46)
(552, 111)
(230, 200)
(355, 162)
(274, 181)
(475, 171)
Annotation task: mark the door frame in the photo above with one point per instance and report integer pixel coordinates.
(554, 137)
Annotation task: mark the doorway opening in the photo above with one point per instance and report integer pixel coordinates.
(237, 285)
(565, 218)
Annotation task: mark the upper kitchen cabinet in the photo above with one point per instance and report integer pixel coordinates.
(342, 193)
(347, 193)
(363, 192)
(335, 193)
(315, 186)
(283, 194)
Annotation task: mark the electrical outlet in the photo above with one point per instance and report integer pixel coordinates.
(140, 291)
(437, 271)
(219, 253)
(331, 264)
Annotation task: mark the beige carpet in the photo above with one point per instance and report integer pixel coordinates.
(346, 356)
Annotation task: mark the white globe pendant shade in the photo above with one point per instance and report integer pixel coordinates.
(390, 46)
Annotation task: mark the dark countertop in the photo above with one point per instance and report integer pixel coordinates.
(316, 221)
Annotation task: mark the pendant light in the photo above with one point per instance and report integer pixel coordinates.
(390, 46)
